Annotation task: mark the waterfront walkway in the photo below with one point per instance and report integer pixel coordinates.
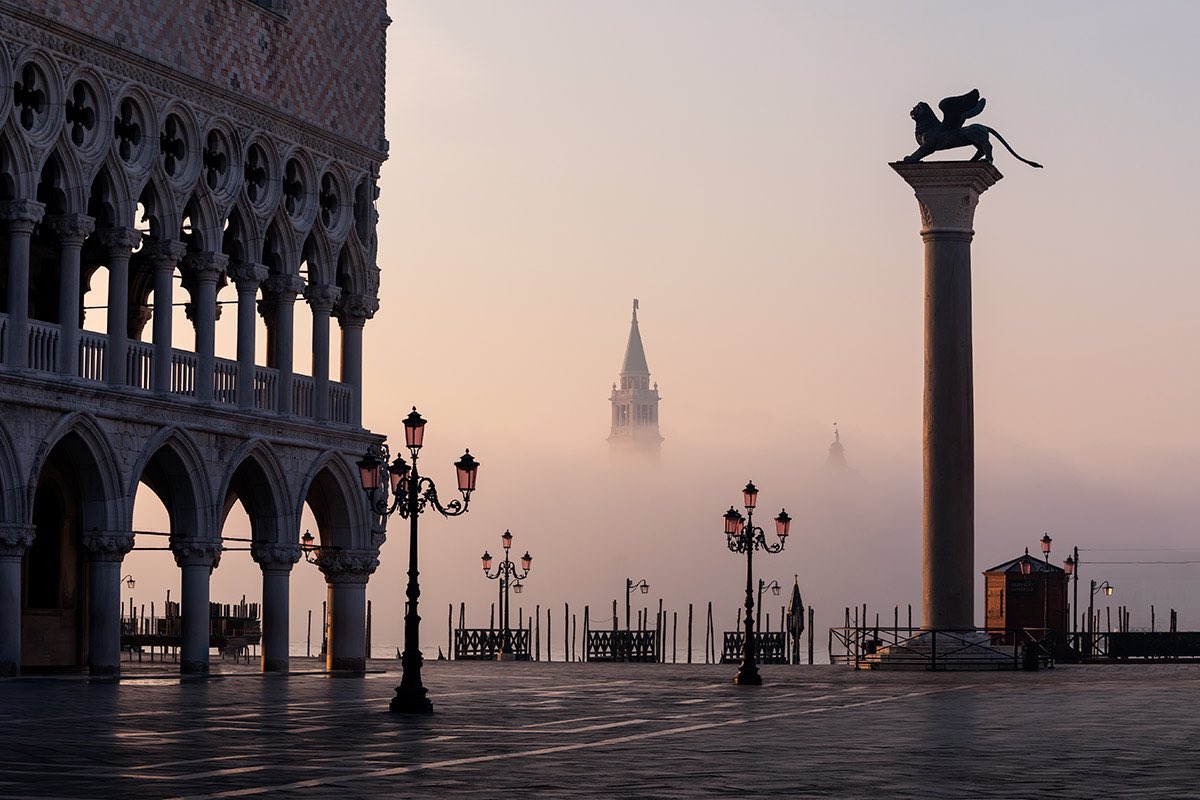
(609, 730)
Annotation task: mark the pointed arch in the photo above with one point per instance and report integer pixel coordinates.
(317, 253)
(12, 498)
(206, 223)
(331, 489)
(351, 277)
(90, 453)
(279, 254)
(241, 240)
(171, 466)
(20, 176)
(256, 479)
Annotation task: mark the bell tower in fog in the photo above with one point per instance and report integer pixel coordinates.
(634, 401)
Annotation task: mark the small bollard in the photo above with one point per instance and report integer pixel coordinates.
(1029, 657)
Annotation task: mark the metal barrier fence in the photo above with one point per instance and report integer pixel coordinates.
(622, 645)
(942, 648)
(769, 648)
(484, 644)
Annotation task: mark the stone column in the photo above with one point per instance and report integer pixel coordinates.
(196, 562)
(163, 255)
(353, 311)
(947, 193)
(280, 293)
(202, 271)
(105, 553)
(71, 230)
(19, 216)
(247, 278)
(14, 541)
(118, 244)
(347, 573)
(276, 562)
(320, 300)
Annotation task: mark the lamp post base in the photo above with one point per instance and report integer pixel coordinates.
(747, 675)
(411, 701)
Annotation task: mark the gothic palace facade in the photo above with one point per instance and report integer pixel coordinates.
(214, 154)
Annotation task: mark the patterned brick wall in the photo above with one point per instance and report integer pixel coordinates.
(319, 60)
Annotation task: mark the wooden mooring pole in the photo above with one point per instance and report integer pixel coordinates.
(689, 634)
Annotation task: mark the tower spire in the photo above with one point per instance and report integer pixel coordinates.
(634, 402)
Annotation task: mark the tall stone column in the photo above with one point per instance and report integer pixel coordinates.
(19, 217)
(118, 244)
(347, 573)
(71, 230)
(320, 300)
(105, 552)
(163, 255)
(276, 562)
(247, 278)
(202, 271)
(14, 541)
(196, 562)
(280, 293)
(947, 193)
(353, 311)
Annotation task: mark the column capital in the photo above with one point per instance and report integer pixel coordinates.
(356, 309)
(246, 276)
(71, 229)
(347, 566)
(107, 545)
(283, 287)
(947, 192)
(163, 253)
(15, 539)
(119, 240)
(321, 297)
(197, 553)
(21, 215)
(203, 267)
(277, 557)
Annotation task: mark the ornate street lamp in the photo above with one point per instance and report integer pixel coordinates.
(762, 586)
(630, 586)
(129, 581)
(1046, 540)
(413, 494)
(742, 536)
(506, 573)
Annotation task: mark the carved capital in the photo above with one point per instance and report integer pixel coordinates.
(247, 277)
(321, 297)
(356, 309)
(283, 287)
(275, 556)
(163, 253)
(347, 566)
(19, 216)
(71, 229)
(119, 241)
(197, 554)
(203, 267)
(947, 193)
(15, 539)
(107, 545)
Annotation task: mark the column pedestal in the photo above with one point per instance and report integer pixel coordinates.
(347, 573)
(105, 554)
(14, 541)
(196, 562)
(276, 562)
(947, 193)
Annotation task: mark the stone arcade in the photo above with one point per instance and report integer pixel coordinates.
(166, 144)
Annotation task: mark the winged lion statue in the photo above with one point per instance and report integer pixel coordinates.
(935, 134)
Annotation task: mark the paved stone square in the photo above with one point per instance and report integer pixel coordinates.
(592, 730)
